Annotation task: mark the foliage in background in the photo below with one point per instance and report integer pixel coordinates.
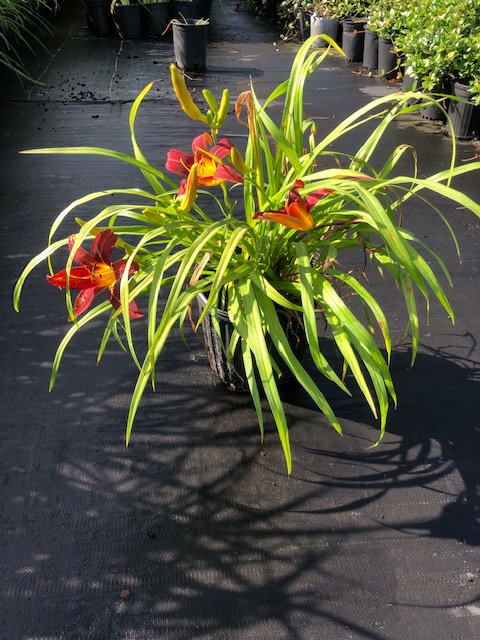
(289, 11)
(22, 25)
(438, 41)
(269, 10)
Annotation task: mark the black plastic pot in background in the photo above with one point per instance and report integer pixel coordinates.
(387, 58)
(99, 17)
(320, 25)
(464, 117)
(128, 20)
(190, 44)
(370, 50)
(409, 83)
(302, 23)
(433, 111)
(353, 37)
(183, 9)
(155, 18)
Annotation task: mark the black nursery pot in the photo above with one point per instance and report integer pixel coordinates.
(370, 50)
(128, 20)
(319, 25)
(190, 44)
(353, 38)
(387, 58)
(464, 116)
(432, 111)
(99, 17)
(409, 83)
(302, 22)
(155, 18)
(232, 372)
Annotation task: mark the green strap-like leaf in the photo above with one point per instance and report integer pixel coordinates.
(255, 340)
(151, 178)
(310, 317)
(282, 345)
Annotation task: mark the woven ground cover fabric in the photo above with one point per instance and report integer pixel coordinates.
(195, 532)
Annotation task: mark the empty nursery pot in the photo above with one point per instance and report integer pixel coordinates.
(190, 44)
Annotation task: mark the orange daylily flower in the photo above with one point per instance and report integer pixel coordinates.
(210, 171)
(95, 273)
(296, 213)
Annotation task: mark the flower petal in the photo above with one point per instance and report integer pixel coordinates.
(179, 162)
(85, 299)
(298, 216)
(312, 198)
(221, 149)
(294, 194)
(201, 143)
(224, 172)
(206, 168)
(102, 246)
(81, 256)
(79, 278)
(290, 221)
(114, 297)
(118, 267)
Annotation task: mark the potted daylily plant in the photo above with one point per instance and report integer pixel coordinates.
(278, 253)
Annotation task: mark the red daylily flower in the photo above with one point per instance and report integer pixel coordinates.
(296, 213)
(95, 273)
(210, 171)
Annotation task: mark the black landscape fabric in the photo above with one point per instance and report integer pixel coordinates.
(195, 532)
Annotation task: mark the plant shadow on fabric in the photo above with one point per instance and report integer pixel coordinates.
(277, 248)
(432, 435)
(203, 531)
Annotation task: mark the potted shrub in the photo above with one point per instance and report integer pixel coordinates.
(424, 45)
(464, 122)
(294, 16)
(353, 15)
(439, 43)
(386, 19)
(285, 250)
(353, 9)
(324, 20)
